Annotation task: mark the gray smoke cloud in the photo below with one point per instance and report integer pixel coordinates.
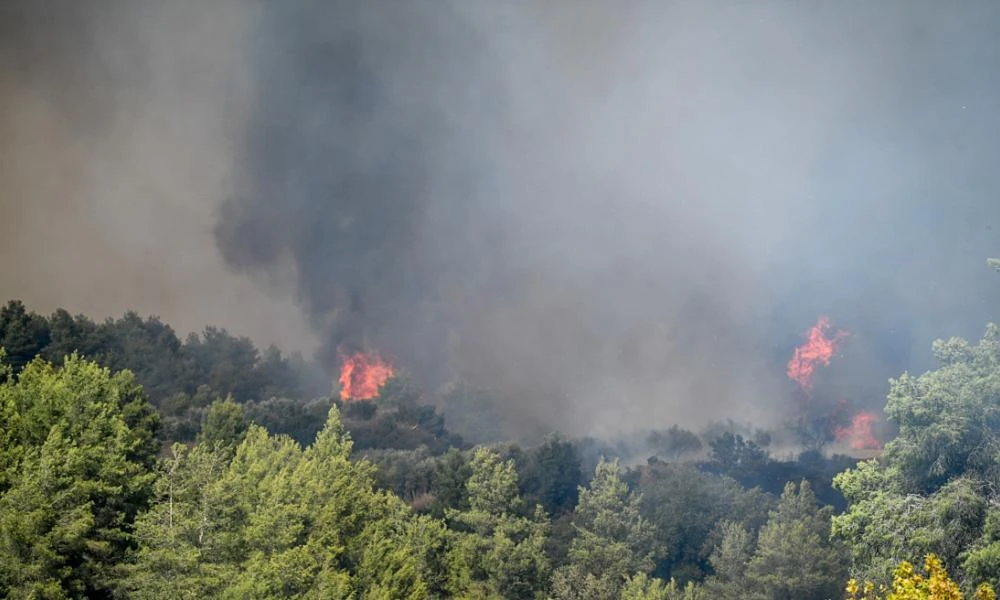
(612, 215)
(120, 124)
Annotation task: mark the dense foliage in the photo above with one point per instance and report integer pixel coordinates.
(935, 490)
(135, 465)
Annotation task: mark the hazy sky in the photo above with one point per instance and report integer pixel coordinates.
(612, 214)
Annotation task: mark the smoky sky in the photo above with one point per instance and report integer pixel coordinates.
(611, 215)
(119, 125)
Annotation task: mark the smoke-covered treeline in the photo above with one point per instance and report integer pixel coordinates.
(476, 501)
(375, 496)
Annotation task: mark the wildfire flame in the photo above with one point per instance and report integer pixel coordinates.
(859, 434)
(361, 375)
(817, 349)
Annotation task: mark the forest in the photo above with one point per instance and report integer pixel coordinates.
(499, 300)
(134, 464)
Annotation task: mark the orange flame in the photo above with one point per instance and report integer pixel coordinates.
(818, 348)
(362, 375)
(859, 434)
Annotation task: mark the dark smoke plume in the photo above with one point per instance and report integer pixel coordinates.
(617, 215)
(612, 215)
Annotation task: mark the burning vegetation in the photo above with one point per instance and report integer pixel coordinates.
(362, 374)
(818, 349)
(859, 433)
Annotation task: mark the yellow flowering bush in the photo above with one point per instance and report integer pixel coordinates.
(908, 584)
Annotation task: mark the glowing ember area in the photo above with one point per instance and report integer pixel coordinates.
(817, 349)
(859, 435)
(362, 375)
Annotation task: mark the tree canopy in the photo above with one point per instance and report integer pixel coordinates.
(199, 488)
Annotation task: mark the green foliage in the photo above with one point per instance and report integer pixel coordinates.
(880, 523)
(551, 475)
(273, 520)
(795, 557)
(225, 424)
(23, 334)
(408, 474)
(982, 561)
(729, 562)
(69, 334)
(883, 524)
(613, 540)
(686, 506)
(949, 420)
(501, 552)
(73, 476)
(398, 510)
(731, 452)
(227, 364)
(931, 491)
(451, 472)
(164, 365)
(642, 587)
(295, 418)
(396, 420)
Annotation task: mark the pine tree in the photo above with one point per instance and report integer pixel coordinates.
(613, 541)
(795, 557)
(73, 476)
(503, 553)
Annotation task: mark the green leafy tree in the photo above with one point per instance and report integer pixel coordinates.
(177, 535)
(982, 561)
(729, 562)
(732, 453)
(795, 557)
(151, 350)
(883, 524)
(451, 472)
(643, 587)
(272, 520)
(502, 554)
(23, 334)
(686, 505)
(276, 375)
(225, 424)
(298, 419)
(949, 420)
(226, 363)
(931, 490)
(551, 475)
(75, 474)
(613, 540)
(69, 334)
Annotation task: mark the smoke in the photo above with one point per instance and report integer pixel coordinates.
(612, 215)
(119, 126)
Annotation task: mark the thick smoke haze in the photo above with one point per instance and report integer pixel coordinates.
(612, 215)
(120, 123)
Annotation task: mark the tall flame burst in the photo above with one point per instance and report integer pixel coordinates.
(817, 349)
(361, 375)
(859, 434)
